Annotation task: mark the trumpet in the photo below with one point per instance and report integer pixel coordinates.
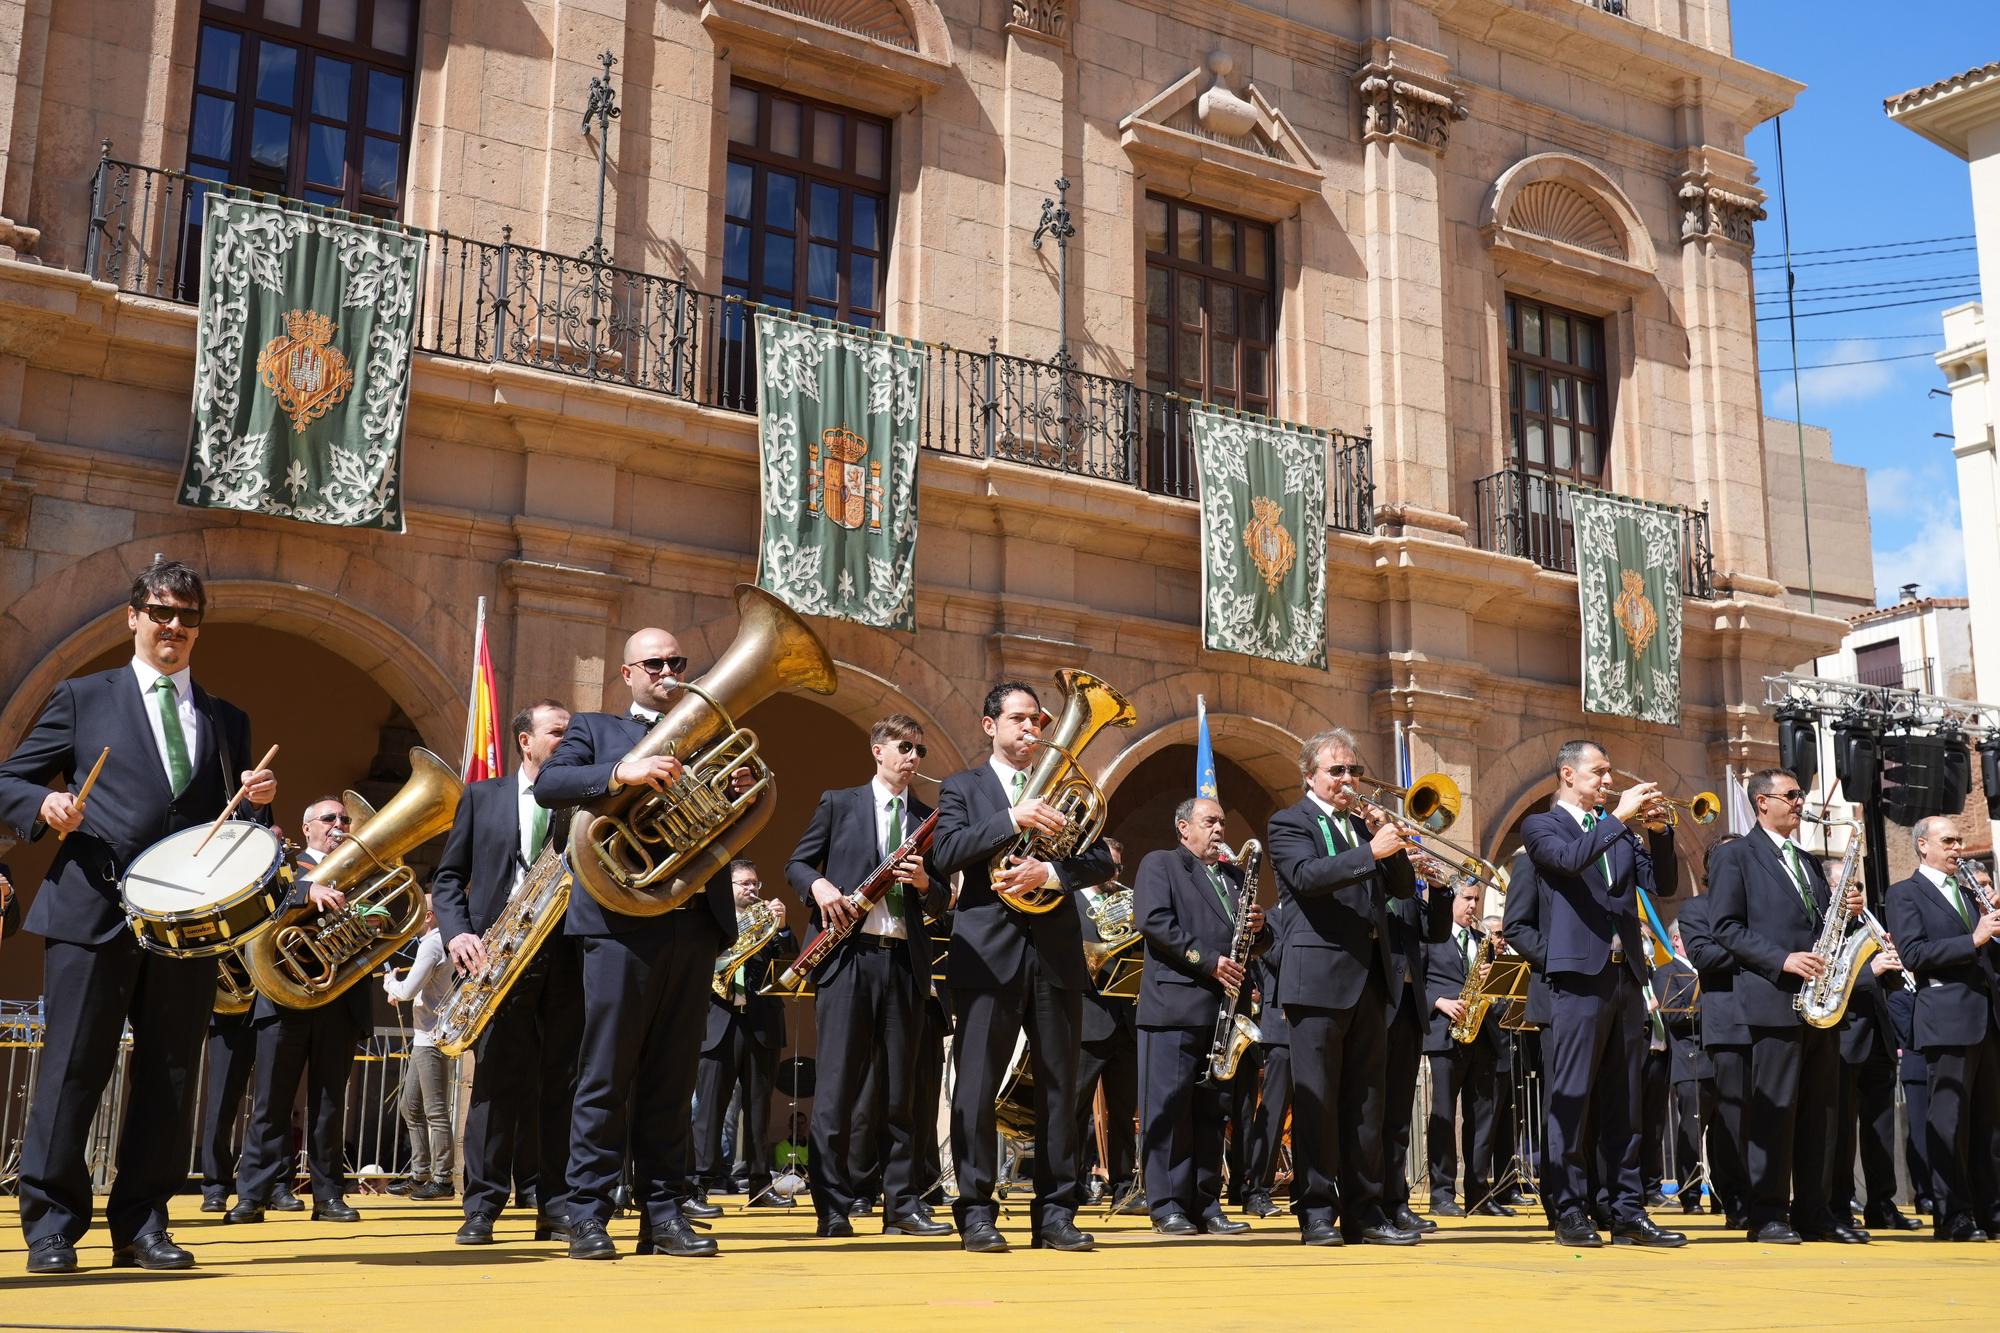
(1664, 811)
(1430, 806)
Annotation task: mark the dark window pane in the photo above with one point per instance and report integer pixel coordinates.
(1187, 230)
(1558, 338)
(1532, 381)
(1531, 330)
(392, 26)
(336, 18)
(385, 102)
(214, 131)
(743, 104)
(829, 138)
(867, 222)
(1587, 460)
(1256, 362)
(1189, 348)
(381, 168)
(825, 213)
(1156, 352)
(1222, 242)
(333, 82)
(1257, 314)
(780, 260)
(235, 6)
(781, 201)
(869, 145)
(862, 279)
(1586, 405)
(271, 140)
(1586, 345)
(785, 117)
(1156, 291)
(277, 73)
(1221, 364)
(221, 56)
(1156, 226)
(1222, 308)
(1559, 386)
(329, 198)
(1188, 312)
(326, 155)
(736, 196)
(823, 273)
(823, 310)
(736, 252)
(1513, 388)
(1257, 251)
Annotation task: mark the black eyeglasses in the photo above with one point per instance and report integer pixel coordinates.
(1795, 796)
(161, 614)
(342, 820)
(904, 747)
(655, 665)
(1347, 770)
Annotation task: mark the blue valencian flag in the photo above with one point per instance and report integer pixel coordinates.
(1204, 753)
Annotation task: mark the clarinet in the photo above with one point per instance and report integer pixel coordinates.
(1236, 1033)
(873, 890)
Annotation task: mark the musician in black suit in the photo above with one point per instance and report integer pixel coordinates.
(228, 1057)
(1771, 898)
(177, 755)
(645, 983)
(1335, 881)
(1945, 932)
(1690, 1078)
(871, 991)
(315, 1046)
(927, 1107)
(1415, 923)
(1867, 1113)
(1464, 1075)
(1013, 971)
(1521, 929)
(524, 1063)
(1592, 866)
(739, 1054)
(1185, 902)
(1109, 1059)
(1274, 1092)
(1725, 1041)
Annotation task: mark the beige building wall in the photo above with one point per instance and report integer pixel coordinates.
(1836, 494)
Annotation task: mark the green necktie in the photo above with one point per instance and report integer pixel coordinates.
(1465, 943)
(1958, 896)
(1799, 878)
(895, 895)
(1590, 819)
(179, 770)
(1333, 840)
(538, 832)
(1216, 882)
(1020, 785)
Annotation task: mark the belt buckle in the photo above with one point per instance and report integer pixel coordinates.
(1617, 956)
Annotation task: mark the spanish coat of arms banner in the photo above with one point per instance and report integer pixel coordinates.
(1263, 535)
(1628, 587)
(838, 412)
(302, 364)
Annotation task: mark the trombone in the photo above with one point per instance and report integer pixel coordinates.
(1664, 811)
(1430, 805)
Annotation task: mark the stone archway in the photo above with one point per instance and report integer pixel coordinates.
(1256, 766)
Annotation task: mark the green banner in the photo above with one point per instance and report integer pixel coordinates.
(838, 412)
(1628, 587)
(302, 364)
(1263, 535)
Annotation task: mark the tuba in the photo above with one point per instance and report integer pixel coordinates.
(233, 992)
(756, 926)
(1115, 962)
(308, 957)
(643, 852)
(516, 935)
(1089, 706)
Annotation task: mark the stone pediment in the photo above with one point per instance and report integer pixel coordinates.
(878, 20)
(1226, 143)
(880, 55)
(1557, 209)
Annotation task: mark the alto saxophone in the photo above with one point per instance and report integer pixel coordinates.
(1475, 1000)
(1822, 1000)
(756, 926)
(1237, 1032)
(516, 935)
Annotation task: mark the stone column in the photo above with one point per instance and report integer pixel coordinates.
(1036, 82)
(24, 40)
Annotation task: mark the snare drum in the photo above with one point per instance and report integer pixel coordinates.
(188, 906)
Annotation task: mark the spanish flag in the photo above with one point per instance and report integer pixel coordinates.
(482, 713)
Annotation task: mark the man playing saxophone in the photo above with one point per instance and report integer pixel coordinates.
(1189, 907)
(1464, 1074)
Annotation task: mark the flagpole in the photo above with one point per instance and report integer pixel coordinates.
(472, 698)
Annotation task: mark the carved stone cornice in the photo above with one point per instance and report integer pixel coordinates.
(1047, 19)
(1712, 210)
(1397, 103)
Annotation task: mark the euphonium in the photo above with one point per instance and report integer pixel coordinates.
(233, 992)
(1113, 958)
(756, 926)
(1822, 1000)
(307, 957)
(1089, 706)
(644, 852)
(516, 935)
(1475, 1000)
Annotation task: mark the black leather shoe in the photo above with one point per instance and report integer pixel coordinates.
(284, 1201)
(1174, 1224)
(52, 1254)
(1320, 1233)
(215, 1199)
(914, 1224)
(1260, 1205)
(550, 1227)
(1493, 1208)
(1657, 1199)
(333, 1208)
(244, 1211)
(155, 1252)
(1136, 1206)
(861, 1208)
(435, 1189)
(1642, 1230)
(1891, 1218)
(772, 1201)
(982, 1238)
(679, 1239)
(1062, 1235)
(835, 1227)
(1446, 1208)
(589, 1240)
(1960, 1227)
(1219, 1225)
(1384, 1234)
(476, 1229)
(699, 1206)
(1514, 1199)
(1692, 1207)
(529, 1198)
(1573, 1228)
(1774, 1233)
(1409, 1221)
(1839, 1233)
(406, 1185)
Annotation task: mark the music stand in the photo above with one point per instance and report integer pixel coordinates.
(1507, 983)
(1682, 993)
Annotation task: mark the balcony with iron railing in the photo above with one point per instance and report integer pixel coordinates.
(582, 317)
(1524, 513)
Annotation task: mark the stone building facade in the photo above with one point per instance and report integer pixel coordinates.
(1378, 217)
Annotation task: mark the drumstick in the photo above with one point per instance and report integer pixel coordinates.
(83, 792)
(234, 801)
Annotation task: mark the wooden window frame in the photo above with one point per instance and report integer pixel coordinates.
(1588, 407)
(1201, 382)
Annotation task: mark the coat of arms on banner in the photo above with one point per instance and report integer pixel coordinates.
(1271, 548)
(303, 371)
(842, 482)
(1635, 613)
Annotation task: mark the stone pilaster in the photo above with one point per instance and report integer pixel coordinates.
(566, 619)
(1036, 82)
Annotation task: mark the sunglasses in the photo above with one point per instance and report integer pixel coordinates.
(1347, 770)
(1793, 797)
(655, 665)
(161, 614)
(342, 820)
(904, 747)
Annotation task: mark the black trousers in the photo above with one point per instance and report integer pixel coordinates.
(524, 1084)
(318, 1046)
(738, 1064)
(1402, 1053)
(89, 991)
(1914, 1071)
(1267, 1133)
(1239, 1115)
(926, 1098)
(1655, 1068)
(864, 1134)
(1183, 1116)
(1114, 1064)
(1337, 1110)
(1964, 1120)
(869, 1023)
(1727, 1150)
(1868, 1126)
(1789, 1124)
(1464, 1097)
(1596, 1040)
(230, 1055)
(989, 1022)
(645, 1002)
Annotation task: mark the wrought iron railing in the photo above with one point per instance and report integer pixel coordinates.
(578, 316)
(1523, 513)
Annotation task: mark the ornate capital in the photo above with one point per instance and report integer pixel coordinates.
(1041, 18)
(1711, 211)
(1398, 107)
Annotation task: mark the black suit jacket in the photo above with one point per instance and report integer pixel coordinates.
(1186, 928)
(1958, 984)
(579, 771)
(1336, 910)
(481, 857)
(1760, 918)
(1415, 923)
(1521, 926)
(1583, 909)
(1721, 1020)
(840, 843)
(765, 1013)
(131, 808)
(990, 940)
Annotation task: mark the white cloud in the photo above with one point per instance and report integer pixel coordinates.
(1902, 492)
(1824, 382)
(1935, 559)
(1917, 509)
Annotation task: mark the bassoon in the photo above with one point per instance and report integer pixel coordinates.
(873, 890)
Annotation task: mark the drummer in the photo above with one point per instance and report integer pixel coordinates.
(176, 757)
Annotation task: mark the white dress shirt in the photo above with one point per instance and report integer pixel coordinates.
(184, 696)
(880, 920)
(1937, 878)
(1005, 772)
(524, 799)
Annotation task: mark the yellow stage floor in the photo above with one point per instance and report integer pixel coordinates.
(397, 1269)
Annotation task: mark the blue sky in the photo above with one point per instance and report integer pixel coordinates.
(1855, 178)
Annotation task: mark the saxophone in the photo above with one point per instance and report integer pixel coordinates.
(1822, 1000)
(1475, 1000)
(516, 935)
(1235, 1032)
(756, 926)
